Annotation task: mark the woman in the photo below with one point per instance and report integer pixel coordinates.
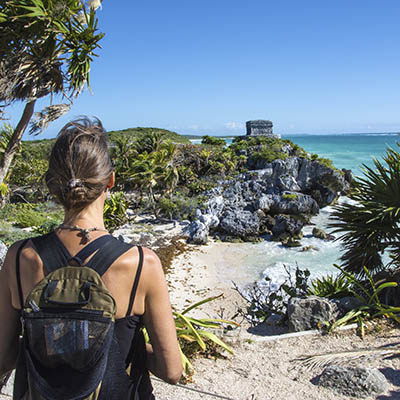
(80, 175)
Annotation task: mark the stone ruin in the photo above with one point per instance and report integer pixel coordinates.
(260, 127)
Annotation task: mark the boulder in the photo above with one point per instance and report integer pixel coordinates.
(347, 303)
(357, 382)
(3, 252)
(241, 223)
(284, 223)
(209, 220)
(294, 204)
(307, 313)
(198, 233)
(319, 233)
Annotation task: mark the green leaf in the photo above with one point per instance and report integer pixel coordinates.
(216, 340)
(192, 330)
(201, 303)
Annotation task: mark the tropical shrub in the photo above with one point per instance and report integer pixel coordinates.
(178, 206)
(267, 298)
(28, 217)
(370, 225)
(115, 208)
(330, 286)
(212, 141)
(370, 307)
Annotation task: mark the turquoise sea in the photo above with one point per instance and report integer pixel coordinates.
(349, 151)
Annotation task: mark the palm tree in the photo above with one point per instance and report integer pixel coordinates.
(46, 48)
(371, 225)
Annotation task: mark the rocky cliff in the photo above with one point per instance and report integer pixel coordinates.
(278, 200)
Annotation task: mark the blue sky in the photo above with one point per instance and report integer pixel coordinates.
(205, 67)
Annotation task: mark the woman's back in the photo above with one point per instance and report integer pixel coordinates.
(80, 176)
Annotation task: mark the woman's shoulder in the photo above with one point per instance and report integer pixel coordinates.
(12, 252)
(151, 262)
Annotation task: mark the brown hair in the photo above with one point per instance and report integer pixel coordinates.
(80, 165)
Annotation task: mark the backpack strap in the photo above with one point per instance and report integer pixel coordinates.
(88, 250)
(107, 254)
(136, 281)
(55, 255)
(18, 273)
(52, 251)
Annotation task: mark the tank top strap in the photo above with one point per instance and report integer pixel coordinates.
(136, 281)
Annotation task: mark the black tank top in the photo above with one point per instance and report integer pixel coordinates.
(128, 350)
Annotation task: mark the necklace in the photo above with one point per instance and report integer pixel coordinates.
(84, 231)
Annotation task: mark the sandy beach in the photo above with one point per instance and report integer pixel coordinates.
(263, 365)
(260, 368)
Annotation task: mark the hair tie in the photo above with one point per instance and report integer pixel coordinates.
(73, 183)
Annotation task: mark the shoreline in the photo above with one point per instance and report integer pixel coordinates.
(260, 369)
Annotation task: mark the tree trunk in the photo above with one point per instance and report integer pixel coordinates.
(15, 140)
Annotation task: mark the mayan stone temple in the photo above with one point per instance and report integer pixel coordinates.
(260, 127)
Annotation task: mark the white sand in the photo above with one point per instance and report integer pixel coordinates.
(258, 369)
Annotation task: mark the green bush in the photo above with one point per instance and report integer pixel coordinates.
(331, 287)
(115, 208)
(212, 141)
(178, 207)
(27, 217)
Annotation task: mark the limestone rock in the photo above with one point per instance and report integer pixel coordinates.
(358, 382)
(305, 314)
(347, 303)
(284, 223)
(241, 223)
(198, 233)
(300, 204)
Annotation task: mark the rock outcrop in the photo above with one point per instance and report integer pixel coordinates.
(280, 198)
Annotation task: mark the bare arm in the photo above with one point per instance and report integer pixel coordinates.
(9, 316)
(163, 356)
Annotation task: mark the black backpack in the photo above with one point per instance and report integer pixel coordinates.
(68, 348)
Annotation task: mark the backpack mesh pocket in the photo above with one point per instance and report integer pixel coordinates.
(76, 341)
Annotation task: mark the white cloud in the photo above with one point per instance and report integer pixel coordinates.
(235, 126)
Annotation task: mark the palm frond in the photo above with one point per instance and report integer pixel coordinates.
(341, 357)
(47, 115)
